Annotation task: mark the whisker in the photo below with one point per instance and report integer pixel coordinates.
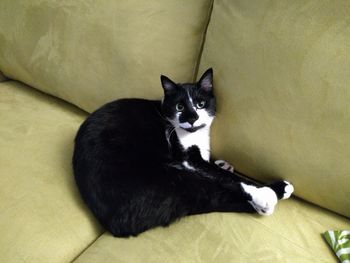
(168, 135)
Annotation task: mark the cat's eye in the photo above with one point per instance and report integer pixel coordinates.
(200, 104)
(179, 107)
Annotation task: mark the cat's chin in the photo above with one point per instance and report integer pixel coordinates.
(193, 129)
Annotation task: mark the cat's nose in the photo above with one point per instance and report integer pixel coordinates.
(192, 120)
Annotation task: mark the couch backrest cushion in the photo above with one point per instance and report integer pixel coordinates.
(282, 77)
(91, 52)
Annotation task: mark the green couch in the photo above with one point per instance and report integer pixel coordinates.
(282, 79)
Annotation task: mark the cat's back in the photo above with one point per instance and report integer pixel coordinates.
(125, 125)
(135, 112)
(124, 115)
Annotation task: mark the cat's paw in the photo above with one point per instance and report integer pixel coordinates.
(224, 165)
(283, 189)
(263, 199)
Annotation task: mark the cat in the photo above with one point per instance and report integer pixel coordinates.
(140, 163)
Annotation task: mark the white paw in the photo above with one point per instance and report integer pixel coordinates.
(224, 165)
(288, 190)
(264, 199)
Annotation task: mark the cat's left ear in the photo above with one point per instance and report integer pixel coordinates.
(206, 81)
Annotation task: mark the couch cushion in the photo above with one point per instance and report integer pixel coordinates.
(291, 234)
(282, 75)
(41, 216)
(91, 52)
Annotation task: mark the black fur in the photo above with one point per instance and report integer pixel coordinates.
(132, 177)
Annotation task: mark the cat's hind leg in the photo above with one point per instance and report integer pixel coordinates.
(262, 199)
(283, 189)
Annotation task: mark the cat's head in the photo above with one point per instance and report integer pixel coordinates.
(189, 106)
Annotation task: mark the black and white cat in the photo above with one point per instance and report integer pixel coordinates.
(140, 164)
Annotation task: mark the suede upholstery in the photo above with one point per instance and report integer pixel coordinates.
(281, 80)
(90, 52)
(290, 235)
(2, 77)
(282, 72)
(43, 219)
(41, 216)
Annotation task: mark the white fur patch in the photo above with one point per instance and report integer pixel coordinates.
(190, 99)
(288, 190)
(224, 165)
(264, 199)
(199, 138)
(203, 118)
(185, 125)
(188, 166)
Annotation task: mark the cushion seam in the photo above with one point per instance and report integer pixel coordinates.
(87, 247)
(202, 42)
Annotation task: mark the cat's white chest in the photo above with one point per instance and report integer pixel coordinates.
(199, 138)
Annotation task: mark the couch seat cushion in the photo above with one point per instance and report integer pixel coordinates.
(291, 234)
(41, 216)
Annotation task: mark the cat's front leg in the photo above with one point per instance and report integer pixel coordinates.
(211, 170)
(224, 165)
(262, 198)
(282, 189)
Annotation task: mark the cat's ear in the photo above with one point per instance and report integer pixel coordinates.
(167, 84)
(206, 81)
